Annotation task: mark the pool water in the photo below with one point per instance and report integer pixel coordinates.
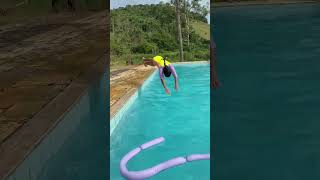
(182, 118)
(83, 154)
(266, 117)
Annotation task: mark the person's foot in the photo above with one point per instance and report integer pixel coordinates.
(144, 63)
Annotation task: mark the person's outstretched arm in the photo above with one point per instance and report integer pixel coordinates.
(165, 86)
(176, 85)
(162, 80)
(173, 71)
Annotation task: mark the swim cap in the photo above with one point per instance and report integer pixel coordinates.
(160, 60)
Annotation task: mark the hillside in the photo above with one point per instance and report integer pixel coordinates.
(202, 29)
(145, 30)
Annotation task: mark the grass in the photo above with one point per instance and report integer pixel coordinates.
(201, 28)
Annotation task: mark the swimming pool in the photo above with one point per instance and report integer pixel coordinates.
(182, 118)
(266, 118)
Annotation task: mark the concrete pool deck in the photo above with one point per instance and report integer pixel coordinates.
(45, 66)
(124, 83)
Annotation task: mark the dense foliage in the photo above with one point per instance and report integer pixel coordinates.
(145, 30)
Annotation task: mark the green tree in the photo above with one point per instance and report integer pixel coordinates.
(178, 15)
(143, 30)
(196, 6)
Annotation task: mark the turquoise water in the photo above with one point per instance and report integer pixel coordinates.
(182, 118)
(266, 118)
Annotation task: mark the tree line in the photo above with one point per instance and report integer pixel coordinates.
(155, 28)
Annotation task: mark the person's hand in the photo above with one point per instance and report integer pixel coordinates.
(167, 91)
(176, 87)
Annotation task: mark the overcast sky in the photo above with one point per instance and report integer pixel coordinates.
(122, 3)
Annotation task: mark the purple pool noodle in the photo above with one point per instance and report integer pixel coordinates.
(168, 164)
(194, 157)
(136, 175)
(144, 174)
(152, 143)
(128, 156)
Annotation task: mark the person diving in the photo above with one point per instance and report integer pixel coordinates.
(165, 69)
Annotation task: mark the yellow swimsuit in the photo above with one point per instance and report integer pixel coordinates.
(160, 61)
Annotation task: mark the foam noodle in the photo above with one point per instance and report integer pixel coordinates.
(144, 174)
(152, 143)
(195, 157)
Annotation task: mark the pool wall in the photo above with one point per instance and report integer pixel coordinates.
(32, 165)
(24, 155)
(119, 115)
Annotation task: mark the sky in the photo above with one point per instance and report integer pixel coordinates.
(122, 3)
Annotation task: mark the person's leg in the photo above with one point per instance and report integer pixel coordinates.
(148, 62)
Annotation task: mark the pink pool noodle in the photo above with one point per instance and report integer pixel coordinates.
(144, 174)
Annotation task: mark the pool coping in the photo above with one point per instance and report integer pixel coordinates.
(21, 144)
(117, 106)
(255, 3)
(126, 101)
